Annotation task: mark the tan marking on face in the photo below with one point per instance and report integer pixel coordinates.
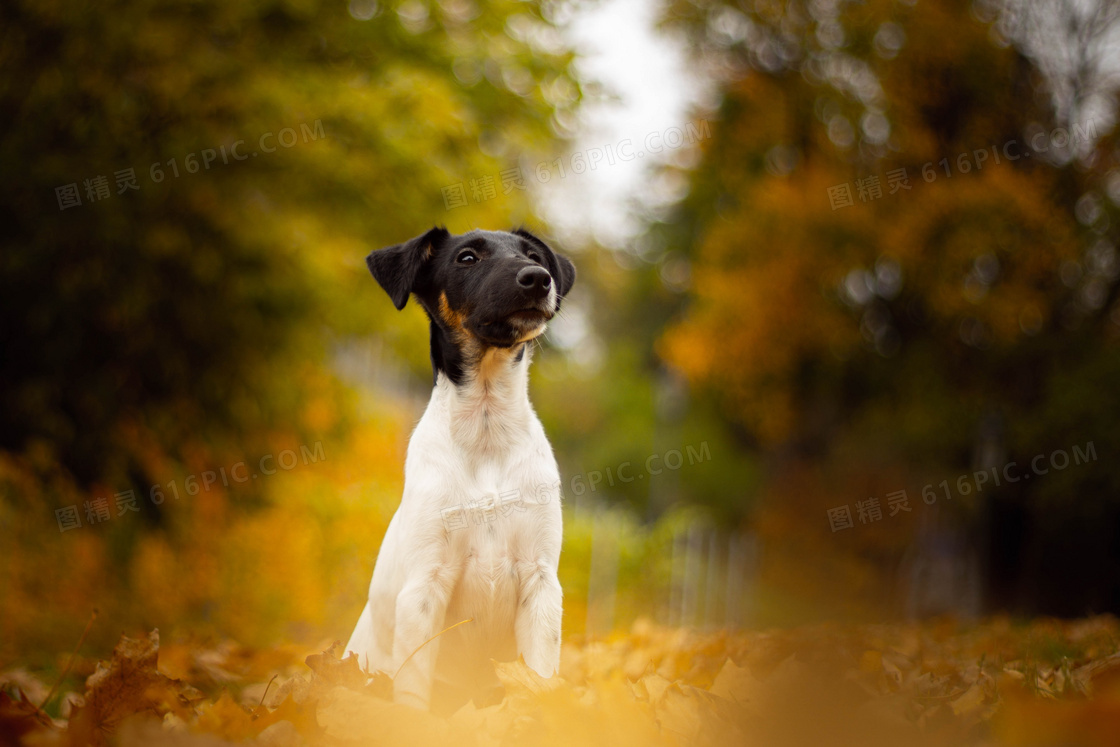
(453, 319)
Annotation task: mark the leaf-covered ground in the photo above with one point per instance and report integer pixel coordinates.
(998, 683)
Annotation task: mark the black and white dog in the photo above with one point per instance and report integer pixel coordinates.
(478, 531)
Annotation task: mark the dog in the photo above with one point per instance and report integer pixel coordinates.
(478, 531)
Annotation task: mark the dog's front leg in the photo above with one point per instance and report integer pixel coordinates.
(421, 609)
(539, 610)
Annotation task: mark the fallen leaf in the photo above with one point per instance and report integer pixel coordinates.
(652, 687)
(329, 671)
(19, 717)
(972, 699)
(351, 716)
(227, 719)
(734, 683)
(519, 679)
(129, 685)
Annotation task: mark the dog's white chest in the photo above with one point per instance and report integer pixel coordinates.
(476, 538)
(487, 589)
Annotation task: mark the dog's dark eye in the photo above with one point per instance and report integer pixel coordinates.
(535, 257)
(467, 258)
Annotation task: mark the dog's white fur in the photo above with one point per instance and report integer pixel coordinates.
(478, 445)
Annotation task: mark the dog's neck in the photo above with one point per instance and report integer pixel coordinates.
(487, 407)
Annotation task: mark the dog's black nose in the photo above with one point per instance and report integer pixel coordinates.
(534, 278)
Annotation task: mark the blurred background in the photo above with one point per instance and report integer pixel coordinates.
(844, 343)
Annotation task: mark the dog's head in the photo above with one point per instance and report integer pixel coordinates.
(495, 288)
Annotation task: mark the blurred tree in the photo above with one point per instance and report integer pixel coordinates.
(190, 192)
(902, 261)
(632, 410)
(269, 146)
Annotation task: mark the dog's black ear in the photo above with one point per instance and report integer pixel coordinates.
(396, 267)
(561, 269)
(565, 274)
